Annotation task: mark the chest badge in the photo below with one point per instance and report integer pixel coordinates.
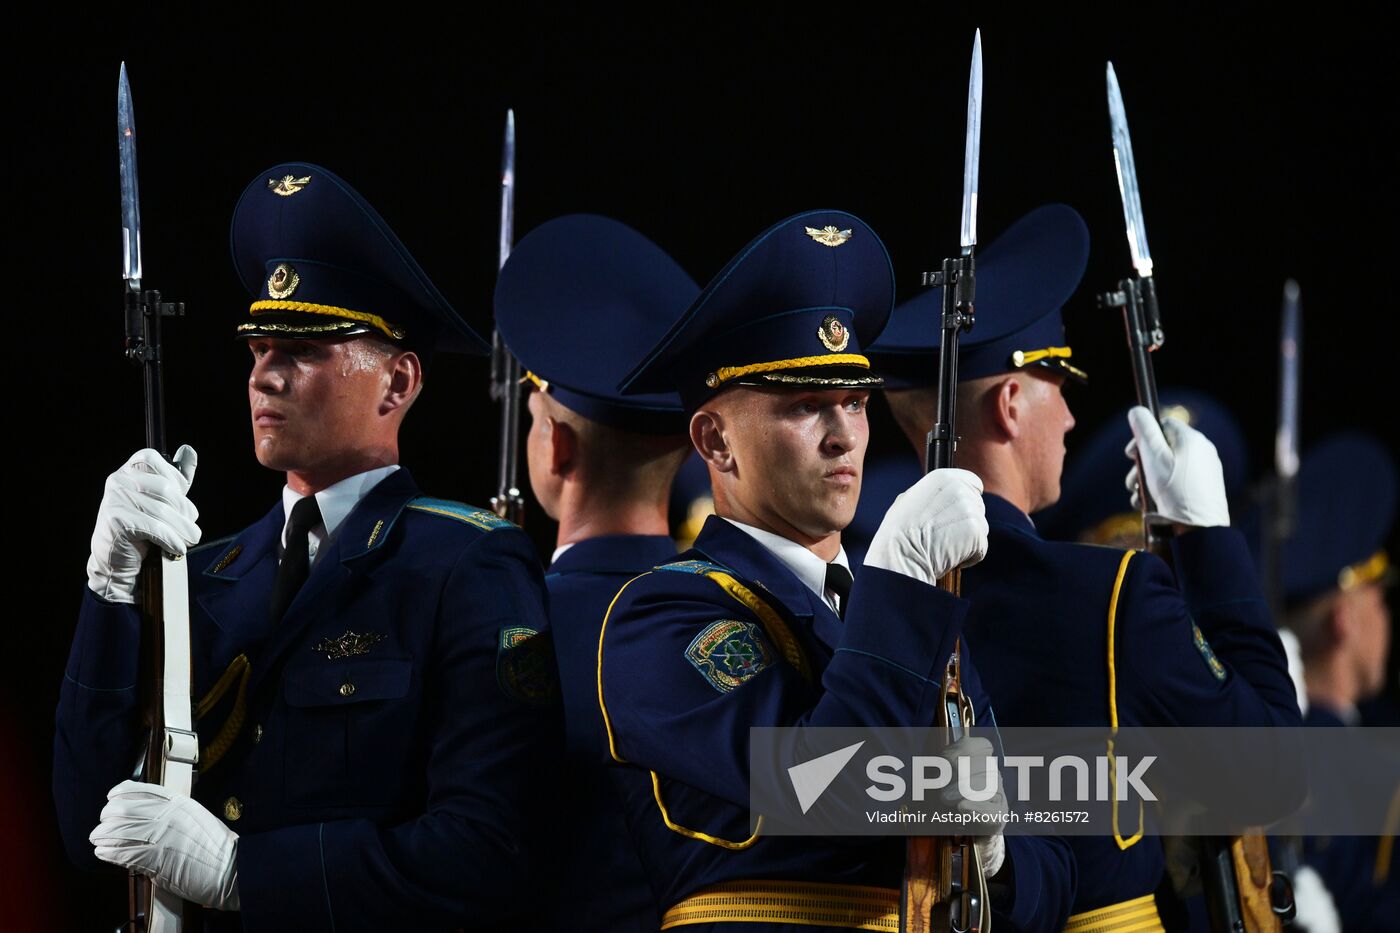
(348, 645)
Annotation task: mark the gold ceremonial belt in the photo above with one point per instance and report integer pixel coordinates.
(1138, 914)
(800, 902)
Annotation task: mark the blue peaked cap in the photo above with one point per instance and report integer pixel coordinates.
(792, 309)
(319, 261)
(580, 299)
(1024, 278)
(1346, 496)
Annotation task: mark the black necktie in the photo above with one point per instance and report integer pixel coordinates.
(838, 580)
(296, 561)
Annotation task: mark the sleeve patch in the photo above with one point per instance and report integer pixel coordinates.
(1204, 648)
(729, 652)
(525, 666)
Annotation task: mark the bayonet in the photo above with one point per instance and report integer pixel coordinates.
(1137, 295)
(1290, 362)
(505, 369)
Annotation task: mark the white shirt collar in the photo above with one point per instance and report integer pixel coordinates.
(559, 551)
(335, 503)
(808, 567)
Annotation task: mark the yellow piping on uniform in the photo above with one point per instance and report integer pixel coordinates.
(726, 373)
(306, 307)
(1123, 844)
(1386, 846)
(607, 720)
(695, 833)
(541, 384)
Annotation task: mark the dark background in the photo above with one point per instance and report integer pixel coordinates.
(1262, 146)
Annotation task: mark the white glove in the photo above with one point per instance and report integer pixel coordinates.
(144, 501)
(1183, 471)
(934, 527)
(1317, 911)
(180, 845)
(982, 770)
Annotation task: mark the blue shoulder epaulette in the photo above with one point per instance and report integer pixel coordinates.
(694, 566)
(484, 519)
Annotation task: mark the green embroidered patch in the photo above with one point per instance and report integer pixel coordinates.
(525, 666)
(1204, 648)
(729, 652)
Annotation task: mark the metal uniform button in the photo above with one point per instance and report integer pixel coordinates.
(257, 734)
(347, 688)
(233, 809)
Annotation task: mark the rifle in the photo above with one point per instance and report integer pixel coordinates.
(505, 368)
(172, 747)
(944, 886)
(1242, 891)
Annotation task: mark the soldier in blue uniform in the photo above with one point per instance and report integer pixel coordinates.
(1072, 635)
(1334, 570)
(759, 624)
(374, 696)
(579, 300)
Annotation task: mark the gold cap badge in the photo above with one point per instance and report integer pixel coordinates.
(287, 185)
(829, 235)
(283, 281)
(833, 333)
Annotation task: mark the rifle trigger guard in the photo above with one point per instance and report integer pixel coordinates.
(181, 745)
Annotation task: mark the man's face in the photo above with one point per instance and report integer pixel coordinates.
(316, 404)
(797, 456)
(1042, 443)
(1370, 636)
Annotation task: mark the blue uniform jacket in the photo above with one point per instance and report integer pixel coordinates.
(1364, 883)
(881, 666)
(601, 883)
(393, 804)
(1039, 625)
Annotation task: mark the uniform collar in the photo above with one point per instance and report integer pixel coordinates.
(613, 554)
(336, 501)
(806, 566)
(1003, 512)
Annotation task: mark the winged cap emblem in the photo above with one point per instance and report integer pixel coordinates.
(829, 235)
(287, 185)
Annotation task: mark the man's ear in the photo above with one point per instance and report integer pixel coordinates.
(405, 381)
(707, 436)
(563, 447)
(1007, 409)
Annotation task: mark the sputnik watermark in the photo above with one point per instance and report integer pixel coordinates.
(1069, 781)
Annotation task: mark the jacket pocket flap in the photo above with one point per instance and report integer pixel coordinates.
(338, 683)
